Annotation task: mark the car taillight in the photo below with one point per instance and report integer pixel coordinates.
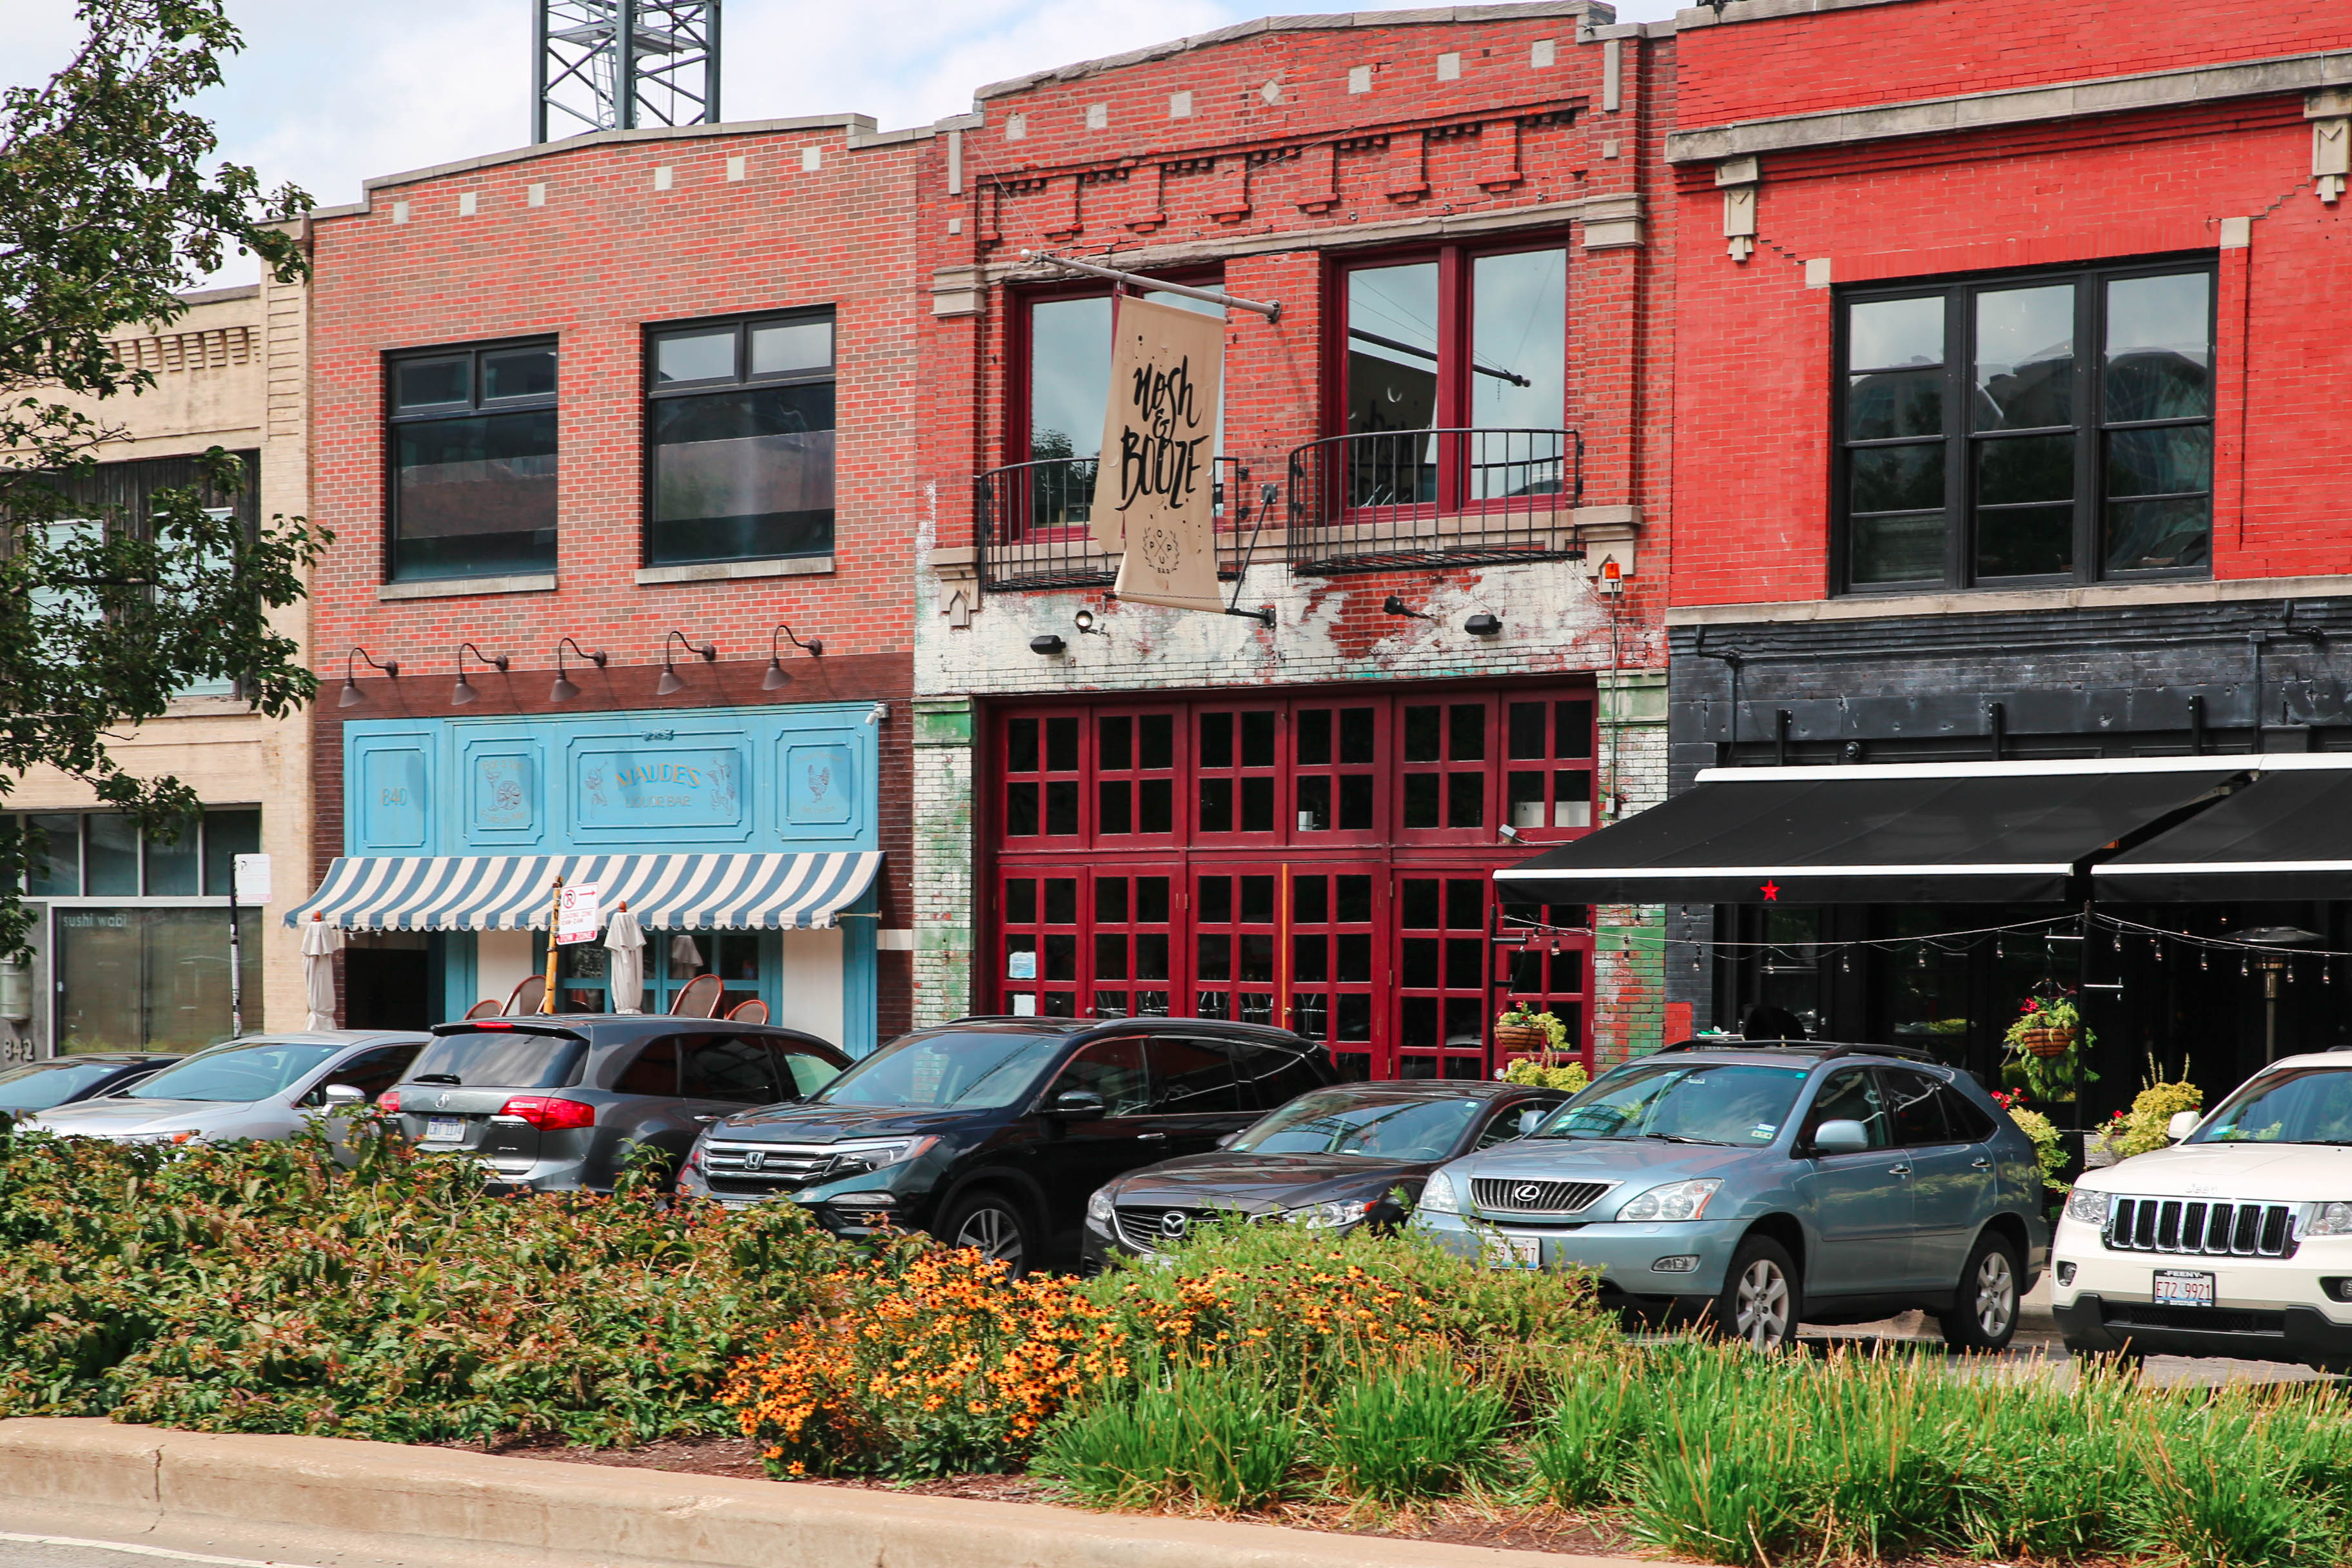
(549, 1114)
(388, 1101)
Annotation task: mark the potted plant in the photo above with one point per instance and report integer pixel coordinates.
(1521, 1031)
(2046, 1041)
(2143, 1128)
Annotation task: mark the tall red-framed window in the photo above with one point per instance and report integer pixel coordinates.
(1322, 860)
(1450, 367)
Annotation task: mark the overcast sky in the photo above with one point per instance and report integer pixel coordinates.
(329, 92)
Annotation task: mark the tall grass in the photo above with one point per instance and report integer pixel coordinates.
(1417, 1430)
(1217, 1440)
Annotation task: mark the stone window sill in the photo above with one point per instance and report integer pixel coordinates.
(466, 587)
(730, 571)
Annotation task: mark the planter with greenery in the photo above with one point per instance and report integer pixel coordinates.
(2047, 1042)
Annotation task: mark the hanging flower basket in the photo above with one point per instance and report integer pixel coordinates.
(1531, 1033)
(2045, 1042)
(1521, 1039)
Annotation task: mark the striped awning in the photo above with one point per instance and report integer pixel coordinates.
(512, 892)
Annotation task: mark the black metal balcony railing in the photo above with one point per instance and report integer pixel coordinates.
(1378, 500)
(1033, 522)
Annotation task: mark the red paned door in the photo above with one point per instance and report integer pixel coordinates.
(1322, 862)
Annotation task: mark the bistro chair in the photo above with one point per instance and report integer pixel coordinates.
(753, 1011)
(697, 998)
(527, 995)
(486, 1007)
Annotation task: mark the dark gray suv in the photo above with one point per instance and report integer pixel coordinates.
(558, 1102)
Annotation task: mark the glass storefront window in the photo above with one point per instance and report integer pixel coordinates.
(151, 979)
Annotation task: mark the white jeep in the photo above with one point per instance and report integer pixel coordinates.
(2236, 1241)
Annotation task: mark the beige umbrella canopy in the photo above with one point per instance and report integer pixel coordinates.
(626, 972)
(320, 943)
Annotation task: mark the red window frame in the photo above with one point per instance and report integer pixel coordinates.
(1250, 920)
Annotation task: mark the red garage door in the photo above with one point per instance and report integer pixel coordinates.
(1321, 862)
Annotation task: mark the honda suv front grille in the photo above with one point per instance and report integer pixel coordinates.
(1496, 1195)
(2201, 1226)
(763, 1167)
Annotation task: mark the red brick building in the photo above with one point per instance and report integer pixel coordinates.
(1436, 463)
(2004, 402)
(573, 400)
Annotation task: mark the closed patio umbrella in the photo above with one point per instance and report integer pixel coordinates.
(626, 974)
(319, 942)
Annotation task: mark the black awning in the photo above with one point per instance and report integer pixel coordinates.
(1977, 834)
(2288, 834)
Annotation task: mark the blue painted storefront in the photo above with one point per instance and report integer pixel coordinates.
(766, 780)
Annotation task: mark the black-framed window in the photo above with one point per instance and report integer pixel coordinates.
(739, 439)
(471, 433)
(2049, 427)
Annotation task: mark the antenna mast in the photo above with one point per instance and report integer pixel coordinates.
(617, 65)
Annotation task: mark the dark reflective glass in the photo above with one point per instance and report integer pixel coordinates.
(1157, 733)
(2022, 468)
(1019, 901)
(1467, 731)
(1884, 404)
(1217, 899)
(1356, 734)
(1355, 900)
(1418, 903)
(1111, 900)
(475, 496)
(1061, 901)
(1258, 740)
(1257, 900)
(1062, 806)
(1216, 805)
(1423, 734)
(2178, 460)
(1465, 904)
(1465, 800)
(1113, 799)
(1152, 901)
(2157, 535)
(1115, 744)
(1155, 806)
(1257, 806)
(1216, 740)
(1356, 803)
(2025, 358)
(1020, 745)
(1420, 794)
(1897, 549)
(1883, 334)
(431, 383)
(518, 373)
(1896, 478)
(1314, 732)
(1310, 900)
(2160, 350)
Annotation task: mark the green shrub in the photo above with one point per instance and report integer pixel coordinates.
(1599, 1415)
(264, 1288)
(1416, 1430)
(1219, 1439)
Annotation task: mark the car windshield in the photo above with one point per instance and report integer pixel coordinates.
(1696, 1102)
(239, 1073)
(1368, 1126)
(40, 1085)
(973, 1070)
(499, 1058)
(2303, 1105)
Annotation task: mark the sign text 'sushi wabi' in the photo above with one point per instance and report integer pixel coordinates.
(1162, 459)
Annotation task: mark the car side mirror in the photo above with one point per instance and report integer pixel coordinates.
(1081, 1102)
(1841, 1137)
(1228, 1140)
(1532, 1118)
(338, 1096)
(2182, 1124)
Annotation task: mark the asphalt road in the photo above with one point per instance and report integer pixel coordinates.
(18, 1551)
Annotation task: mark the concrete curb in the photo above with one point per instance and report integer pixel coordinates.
(353, 1503)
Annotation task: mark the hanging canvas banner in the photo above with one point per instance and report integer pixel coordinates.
(1154, 490)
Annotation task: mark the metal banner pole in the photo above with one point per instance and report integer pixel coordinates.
(235, 963)
(554, 920)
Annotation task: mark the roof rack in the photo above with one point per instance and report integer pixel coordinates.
(1822, 1048)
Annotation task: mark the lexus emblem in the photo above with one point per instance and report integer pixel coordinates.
(1172, 1225)
(1525, 1193)
(755, 1160)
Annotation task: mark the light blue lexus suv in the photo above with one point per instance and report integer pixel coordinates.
(1759, 1185)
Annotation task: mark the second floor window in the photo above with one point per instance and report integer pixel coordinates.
(472, 440)
(2052, 428)
(740, 440)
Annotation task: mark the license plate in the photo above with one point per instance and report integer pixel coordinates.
(1514, 1251)
(2183, 1287)
(445, 1130)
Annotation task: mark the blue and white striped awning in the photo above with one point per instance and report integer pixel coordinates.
(513, 892)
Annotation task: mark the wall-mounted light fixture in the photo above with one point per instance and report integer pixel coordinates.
(778, 676)
(564, 690)
(1046, 643)
(464, 693)
(877, 713)
(1084, 621)
(671, 684)
(1483, 624)
(353, 695)
(1395, 606)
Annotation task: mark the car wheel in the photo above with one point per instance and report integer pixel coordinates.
(994, 1226)
(1762, 1299)
(1984, 1312)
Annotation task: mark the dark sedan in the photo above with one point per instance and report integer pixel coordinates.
(65, 1080)
(1332, 1159)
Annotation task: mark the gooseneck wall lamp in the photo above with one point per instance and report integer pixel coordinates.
(778, 676)
(464, 691)
(353, 695)
(671, 683)
(564, 690)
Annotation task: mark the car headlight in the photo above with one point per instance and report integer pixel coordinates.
(1329, 1217)
(1099, 1209)
(2327, 1219)
(856, 1159)
(1675, 1200)
(2091, 1207)
(1438, 1196)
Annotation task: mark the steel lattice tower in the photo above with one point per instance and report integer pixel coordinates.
(615, 65)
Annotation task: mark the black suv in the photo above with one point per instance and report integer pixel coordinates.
(993, 1132)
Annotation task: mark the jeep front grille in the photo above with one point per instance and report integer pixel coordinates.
(1495, 1194)
(2202, 1228)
